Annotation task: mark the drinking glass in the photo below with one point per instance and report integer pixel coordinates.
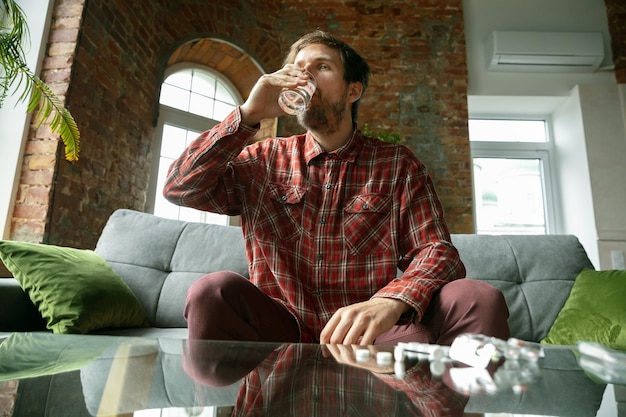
(296, 101)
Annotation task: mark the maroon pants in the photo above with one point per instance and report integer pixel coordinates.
(227, 306)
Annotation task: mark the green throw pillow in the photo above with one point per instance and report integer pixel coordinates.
(75, 290)
(31, 355)
(595, 311)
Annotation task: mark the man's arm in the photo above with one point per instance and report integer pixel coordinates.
(194, 178)
(198, 178)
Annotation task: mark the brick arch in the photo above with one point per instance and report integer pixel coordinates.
(229, 60)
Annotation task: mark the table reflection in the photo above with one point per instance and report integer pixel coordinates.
(317, 380)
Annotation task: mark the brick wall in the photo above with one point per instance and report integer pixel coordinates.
(416, 50)
(616, 14)
(418, 89)
(31, 215)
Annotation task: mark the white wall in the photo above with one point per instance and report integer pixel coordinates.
(605, 137)
(481, 17)
(577, 211)
(587, 110)
(13, 118)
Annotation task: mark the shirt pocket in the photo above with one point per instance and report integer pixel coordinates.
(288, 207)
(367, 224)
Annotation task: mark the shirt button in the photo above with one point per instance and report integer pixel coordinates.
(366, 207)
(230, 129)
(327, 186)
(283, 198)
(320, 257)
(323, 220)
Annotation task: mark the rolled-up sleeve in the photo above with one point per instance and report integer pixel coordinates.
(429, 260)
(201, 176)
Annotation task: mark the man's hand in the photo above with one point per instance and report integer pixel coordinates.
(347, 355)
(365, 321)
(262, 103)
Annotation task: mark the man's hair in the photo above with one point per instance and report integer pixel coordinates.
(355, 69)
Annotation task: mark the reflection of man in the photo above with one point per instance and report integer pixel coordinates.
(305, 380)
(328, 217)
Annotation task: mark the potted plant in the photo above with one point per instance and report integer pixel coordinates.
(16, 77)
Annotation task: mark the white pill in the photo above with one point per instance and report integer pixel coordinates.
(437, 368)
(399, 369)
(437, 354)
(384, 358)
(398, 353)
(362, 355)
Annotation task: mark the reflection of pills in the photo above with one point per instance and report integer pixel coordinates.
(437, 368)
(398, 353)
(437, 354)
(399, 369)
(384, 358)
(362, 355)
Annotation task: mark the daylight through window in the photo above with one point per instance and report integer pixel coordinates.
(512, 190)
(192, 101)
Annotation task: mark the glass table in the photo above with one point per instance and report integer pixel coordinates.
(70, 375)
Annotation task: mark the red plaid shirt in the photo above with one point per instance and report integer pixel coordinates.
(322, 230)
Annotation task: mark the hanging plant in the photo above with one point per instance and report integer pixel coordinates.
(392, 137)
(15, 76)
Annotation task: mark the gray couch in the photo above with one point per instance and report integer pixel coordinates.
(159, 259)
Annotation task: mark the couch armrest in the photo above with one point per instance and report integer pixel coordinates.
(17, 312)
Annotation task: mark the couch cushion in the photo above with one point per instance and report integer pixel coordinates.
(76, 291)
(535, 274)
(594, 311)
(160, 258)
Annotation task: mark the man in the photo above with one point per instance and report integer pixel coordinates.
(328, 217)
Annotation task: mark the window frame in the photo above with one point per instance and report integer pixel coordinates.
(184, 120)
(542, 151)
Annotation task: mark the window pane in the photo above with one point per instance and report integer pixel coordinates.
(224, 94)
(202, 106)
(174, 97)
(199, 92)
(215, 218)
(507, 130)
(222, 110)
(509, 196)
(162, 207)
(180, 79)
(203, 83)
(173, 142)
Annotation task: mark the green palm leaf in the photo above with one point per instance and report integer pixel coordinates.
(15, 75)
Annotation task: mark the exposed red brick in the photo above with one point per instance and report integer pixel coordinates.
(107, 62)
(616, 14)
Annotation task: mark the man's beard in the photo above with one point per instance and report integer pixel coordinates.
(324, 117)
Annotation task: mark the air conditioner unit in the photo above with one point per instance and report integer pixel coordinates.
(544, 51)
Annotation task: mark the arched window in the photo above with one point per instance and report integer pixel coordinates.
(193, 99)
